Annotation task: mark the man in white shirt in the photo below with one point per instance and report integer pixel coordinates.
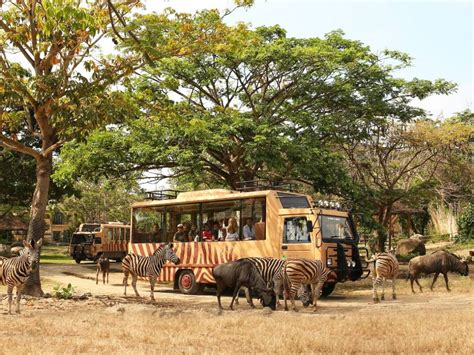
(249, 230)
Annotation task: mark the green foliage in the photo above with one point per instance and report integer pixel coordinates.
(246, 104)
(466, 225)
(64, 292)
(100, 202)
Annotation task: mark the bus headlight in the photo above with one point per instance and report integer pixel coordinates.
(329, 261)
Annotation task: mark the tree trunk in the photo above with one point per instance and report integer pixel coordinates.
(37, 226)
(384, 217)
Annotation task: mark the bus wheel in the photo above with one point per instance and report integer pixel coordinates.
(327, 289)
(187, 283)
(78, 261)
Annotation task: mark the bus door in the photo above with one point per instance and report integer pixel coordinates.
(297, 236)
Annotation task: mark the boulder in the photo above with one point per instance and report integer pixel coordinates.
(410, 246)
(419, 237)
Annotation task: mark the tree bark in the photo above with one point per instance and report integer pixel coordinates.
(37, 226)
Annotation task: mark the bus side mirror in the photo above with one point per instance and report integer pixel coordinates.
(309, 226)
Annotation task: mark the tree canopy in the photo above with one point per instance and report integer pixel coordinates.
(251, 104)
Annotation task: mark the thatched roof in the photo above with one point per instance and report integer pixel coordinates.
(10, 222)
(400, 208)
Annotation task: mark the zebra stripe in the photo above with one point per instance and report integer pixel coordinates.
(15, 271)
(270, 269)
(386, 267)
(147, 266)
(297, 272)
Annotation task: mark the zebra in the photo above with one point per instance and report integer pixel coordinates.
(269, 268)
(15, 271)
(385, 267)
(147, 266)
(296, 272)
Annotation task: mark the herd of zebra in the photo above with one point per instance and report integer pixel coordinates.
(292, 277)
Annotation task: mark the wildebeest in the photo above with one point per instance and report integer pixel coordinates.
(103, 265)
(240, 273)
(439, 262)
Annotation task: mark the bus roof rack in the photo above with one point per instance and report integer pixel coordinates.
(258, 185)
(162, 195)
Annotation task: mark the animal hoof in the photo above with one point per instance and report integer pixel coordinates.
(376, 300)
(382, 298)
(394, 297)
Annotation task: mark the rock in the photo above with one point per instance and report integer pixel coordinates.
(267, 310)
(410, 246)
(15, 250)
(22, 301)
(47, 295)
(420, 237)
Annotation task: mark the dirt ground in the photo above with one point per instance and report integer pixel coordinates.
(347, 321)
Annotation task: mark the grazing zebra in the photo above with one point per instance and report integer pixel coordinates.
(297, 272)
(15, 271)
(147, 266)
(269, 268)
(385, 267)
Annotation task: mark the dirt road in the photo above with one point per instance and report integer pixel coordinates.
(347, 321)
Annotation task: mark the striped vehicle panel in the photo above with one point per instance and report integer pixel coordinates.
(200, 257)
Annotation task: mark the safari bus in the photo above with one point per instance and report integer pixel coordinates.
(281, 224)
(95, 239)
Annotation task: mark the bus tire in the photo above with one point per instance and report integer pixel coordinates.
(78, 261)
(187, 283)
(327, 289)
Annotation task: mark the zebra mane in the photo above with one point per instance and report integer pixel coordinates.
(159, 250)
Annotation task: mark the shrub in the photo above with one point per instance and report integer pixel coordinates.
(64, 292)
(466, 225)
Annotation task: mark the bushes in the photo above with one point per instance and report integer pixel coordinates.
(466, 225)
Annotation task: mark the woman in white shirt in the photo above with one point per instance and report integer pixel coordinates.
(232, 230)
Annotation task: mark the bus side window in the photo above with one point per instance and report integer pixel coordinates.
(110, 234)
(127, 234)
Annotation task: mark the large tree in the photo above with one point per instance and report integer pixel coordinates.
(252, 104)
(400, 163)
(54, 86)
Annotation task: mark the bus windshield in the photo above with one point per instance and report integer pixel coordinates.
(335, 228)
(81, 239)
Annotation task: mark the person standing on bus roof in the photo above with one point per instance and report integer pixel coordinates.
(249, 230)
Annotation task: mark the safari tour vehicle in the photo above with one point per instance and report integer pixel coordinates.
(285, 224)
(95, 239)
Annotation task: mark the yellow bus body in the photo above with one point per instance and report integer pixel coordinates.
(200, 257)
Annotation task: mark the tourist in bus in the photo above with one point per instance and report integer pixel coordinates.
(206, 234)
(194, 234)
(232, 230)
(249, 230)
(180, 235)
(222, 230)
(215, 230)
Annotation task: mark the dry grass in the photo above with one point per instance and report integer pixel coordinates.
(435, 322)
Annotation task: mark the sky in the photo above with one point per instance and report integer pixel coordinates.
(438, 35)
